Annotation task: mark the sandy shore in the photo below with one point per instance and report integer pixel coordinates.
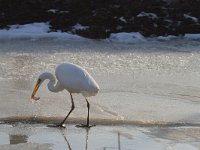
(40, 137)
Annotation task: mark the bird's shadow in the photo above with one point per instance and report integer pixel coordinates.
(68, 144)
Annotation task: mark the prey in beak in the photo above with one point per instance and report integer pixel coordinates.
(39, 81)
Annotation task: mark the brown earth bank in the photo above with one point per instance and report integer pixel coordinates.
(100, 18)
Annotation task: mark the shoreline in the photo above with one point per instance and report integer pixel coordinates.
(102, 122)
(38, 31)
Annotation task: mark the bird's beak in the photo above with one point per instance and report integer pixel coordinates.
(35, 90)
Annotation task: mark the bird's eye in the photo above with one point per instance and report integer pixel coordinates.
(39, 81)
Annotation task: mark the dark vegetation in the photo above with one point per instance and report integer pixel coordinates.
(102, 17)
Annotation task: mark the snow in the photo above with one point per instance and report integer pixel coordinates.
(126, 37)
(192, 36)
(35, 30)
(191, 17)
(150, 15)
(80, 27)
(166, 38)
(123, 19)
(41, 30)
(57, 11)
(187, 36)
(53, 10)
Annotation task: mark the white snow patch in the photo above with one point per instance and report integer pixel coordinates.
(57, 11)
(191, 17)
(41, 30)
(80, 27)
(123, 19)
(35, 30)
(150, 15)
(126, 37)
(172, 37)
(192, 36)
(166, 38)
(53, 10)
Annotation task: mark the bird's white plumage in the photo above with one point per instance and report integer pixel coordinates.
(76, 79)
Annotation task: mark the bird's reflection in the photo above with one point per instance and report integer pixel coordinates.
(65, 138)
(86, 139)
(16, 139)
(119, 142)
(68, 144)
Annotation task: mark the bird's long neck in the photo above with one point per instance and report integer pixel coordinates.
(53, 86)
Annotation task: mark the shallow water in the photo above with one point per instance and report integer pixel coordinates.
(38, 136)
(146, 83)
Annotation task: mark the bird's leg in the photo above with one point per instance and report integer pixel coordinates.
(88, 117)
(62, 123)
(72, 108)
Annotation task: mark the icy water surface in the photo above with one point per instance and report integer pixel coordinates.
(38, 136)
(146, 83)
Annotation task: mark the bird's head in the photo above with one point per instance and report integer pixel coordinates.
(39, 82)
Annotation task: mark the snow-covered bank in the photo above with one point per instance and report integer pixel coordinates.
(42, 30)
(35, 30)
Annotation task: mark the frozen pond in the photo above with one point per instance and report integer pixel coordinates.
(149, 97)
(146, 82)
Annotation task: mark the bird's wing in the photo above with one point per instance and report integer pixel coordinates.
(74, 79)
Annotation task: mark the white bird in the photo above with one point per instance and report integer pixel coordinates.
(74, 79)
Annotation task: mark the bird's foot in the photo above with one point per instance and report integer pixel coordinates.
(57, 125)
(85, 126)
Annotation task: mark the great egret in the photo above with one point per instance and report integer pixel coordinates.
(74, 79)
